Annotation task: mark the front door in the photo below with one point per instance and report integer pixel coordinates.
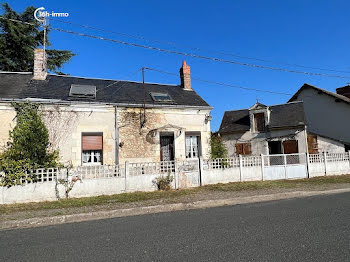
(167, 148)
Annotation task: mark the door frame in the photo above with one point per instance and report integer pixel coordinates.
(166, 134)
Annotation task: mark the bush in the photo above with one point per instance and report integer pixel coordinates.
(218, 149)
(28, 147)
(163, 183)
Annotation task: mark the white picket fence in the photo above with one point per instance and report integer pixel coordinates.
(130, 177)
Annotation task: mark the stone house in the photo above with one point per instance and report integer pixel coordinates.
(265, 130)
(327, 116)
(99, 121)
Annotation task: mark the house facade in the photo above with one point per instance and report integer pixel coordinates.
(100, 121)
(328, 117)
(261, 129)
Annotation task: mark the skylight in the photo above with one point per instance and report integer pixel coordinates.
(82, 91)
(161, 97)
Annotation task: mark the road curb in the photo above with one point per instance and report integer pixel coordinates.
(45, 221)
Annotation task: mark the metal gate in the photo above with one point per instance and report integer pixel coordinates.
(287, 166)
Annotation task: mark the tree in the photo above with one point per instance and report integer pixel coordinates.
(18, 41)
(218, 149)
(28, 147)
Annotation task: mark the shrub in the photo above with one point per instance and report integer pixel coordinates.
(218, 149)
(163, 182)
(28, 147)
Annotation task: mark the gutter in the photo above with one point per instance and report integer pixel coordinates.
(61, 102)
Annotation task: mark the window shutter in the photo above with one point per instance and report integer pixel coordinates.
(247, 149)
(312, 144)
(290, 146)
(239, 149)
(92, 142)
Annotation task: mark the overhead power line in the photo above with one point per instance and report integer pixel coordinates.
(194, 55)
(226, 53)
(197, 56)
(221, 84)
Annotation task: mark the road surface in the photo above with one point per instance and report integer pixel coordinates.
(307, 229)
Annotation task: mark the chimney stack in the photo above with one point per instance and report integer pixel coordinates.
(185, 76)
(39, 64)
(344, 91)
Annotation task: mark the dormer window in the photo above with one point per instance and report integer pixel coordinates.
(259, 122)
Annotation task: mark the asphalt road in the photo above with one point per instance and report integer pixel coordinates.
(308, 229)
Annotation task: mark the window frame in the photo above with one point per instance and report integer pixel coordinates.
(243, 146)
(92, 151)
(155, 94)
(256, 125)
(199, 148)
(92, 154)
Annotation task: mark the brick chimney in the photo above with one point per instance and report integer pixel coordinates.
(185, 76)
(39, 65)
(344, 91)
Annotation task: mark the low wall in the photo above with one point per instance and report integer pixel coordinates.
(109, 180)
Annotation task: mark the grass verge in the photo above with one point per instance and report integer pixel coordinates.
(173, 194)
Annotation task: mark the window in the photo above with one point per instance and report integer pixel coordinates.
(243, 149)
(92, 157)
(161, 97)
(275, 147)
(92, 148)
(82, 91)
(192, 146)
(259, 122)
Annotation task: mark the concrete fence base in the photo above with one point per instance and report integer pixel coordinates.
(109, 180)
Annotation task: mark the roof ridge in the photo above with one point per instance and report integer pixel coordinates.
(105, 79)
(9, 72)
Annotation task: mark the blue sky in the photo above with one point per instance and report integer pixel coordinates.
(307, 32)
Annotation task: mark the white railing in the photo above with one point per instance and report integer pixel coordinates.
(147, 168)
(103, 171)
(42, 175)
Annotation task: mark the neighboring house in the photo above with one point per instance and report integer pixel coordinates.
(327, 116)
(265, 130)
(100, 121)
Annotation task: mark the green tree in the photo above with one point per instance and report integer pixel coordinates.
(218, 149)
(28, 146)
(18, 41)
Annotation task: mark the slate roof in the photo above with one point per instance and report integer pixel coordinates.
(21, 86)
(281, 116)
(335, 95)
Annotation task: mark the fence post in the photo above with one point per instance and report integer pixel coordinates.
(349, 159)
(285, 165)
(175, 174)
(126, 174)
(200, 170)
(240, 168)
(262, 167)
(325, 162)
(307, 165)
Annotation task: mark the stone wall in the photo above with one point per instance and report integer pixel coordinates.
(140, 144)
(66, 123)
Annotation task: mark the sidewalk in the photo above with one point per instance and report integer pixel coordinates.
(76, 210)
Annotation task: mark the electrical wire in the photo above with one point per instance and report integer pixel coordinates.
(220, 83)
(226, 53)
(197, 56)
(191, 55)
